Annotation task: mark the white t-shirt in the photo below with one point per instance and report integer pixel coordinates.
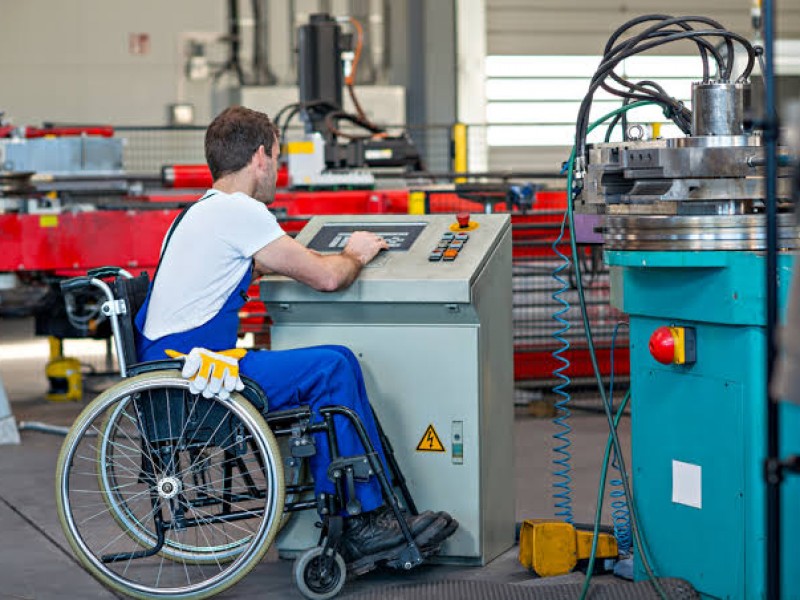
(207, 256)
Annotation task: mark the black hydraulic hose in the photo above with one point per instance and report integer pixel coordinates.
(629, 47)
(624, 49)
(664, 21)
(702, 45)
(677, 111)
(616, 120)
(276, 120)
(602, 72)
(773, 480)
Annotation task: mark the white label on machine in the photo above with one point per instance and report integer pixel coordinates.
(687, 480)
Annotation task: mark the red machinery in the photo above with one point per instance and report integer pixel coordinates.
(71, 242)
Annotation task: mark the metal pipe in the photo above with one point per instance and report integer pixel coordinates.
(48, 428)
(773, 586)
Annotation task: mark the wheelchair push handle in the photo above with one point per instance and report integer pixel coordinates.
(104, 272)
(75, 283)
(112, 307)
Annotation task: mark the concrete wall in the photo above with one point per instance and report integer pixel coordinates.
(69, 60)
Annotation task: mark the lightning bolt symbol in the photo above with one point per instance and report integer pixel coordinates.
(430, 439)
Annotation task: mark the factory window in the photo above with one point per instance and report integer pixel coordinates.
(534, 100)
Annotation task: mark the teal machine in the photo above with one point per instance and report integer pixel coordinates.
(683, 228)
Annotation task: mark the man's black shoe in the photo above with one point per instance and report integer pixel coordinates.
(369, 533)
(416, 523)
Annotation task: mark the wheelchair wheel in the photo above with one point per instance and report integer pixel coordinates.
(312, 581)
(118, 428)
(162, 494)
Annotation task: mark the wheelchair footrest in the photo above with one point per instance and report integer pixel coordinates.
(403, 560)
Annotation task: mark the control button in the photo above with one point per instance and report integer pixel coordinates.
(450, 254)
(443, 244)
(674, 345)
(434, 256)
(456, 244)
(463, 219)
(662, 345)
(448, 235)
(462, 236)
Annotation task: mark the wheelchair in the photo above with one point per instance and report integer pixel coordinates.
(166, 494)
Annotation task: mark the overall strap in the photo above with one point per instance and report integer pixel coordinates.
(171, 230)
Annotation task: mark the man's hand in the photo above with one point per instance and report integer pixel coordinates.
(324, 273)
(364, 246)
(212, 373)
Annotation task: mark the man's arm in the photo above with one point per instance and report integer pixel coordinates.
(325, 273)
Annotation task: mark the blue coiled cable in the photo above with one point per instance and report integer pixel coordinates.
(563, 489)
(620, 515)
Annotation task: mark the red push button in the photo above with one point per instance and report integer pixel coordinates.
(674, 345)
(662, 345)
(463, 219)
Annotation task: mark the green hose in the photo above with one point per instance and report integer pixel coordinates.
(638, 539)
(601, 489)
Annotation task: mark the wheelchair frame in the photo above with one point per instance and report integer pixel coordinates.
(319, 573)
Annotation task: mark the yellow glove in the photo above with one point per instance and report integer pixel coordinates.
(211, 373)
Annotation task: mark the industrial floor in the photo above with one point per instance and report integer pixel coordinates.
(36, 563)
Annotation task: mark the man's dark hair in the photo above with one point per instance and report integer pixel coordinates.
(234, 136)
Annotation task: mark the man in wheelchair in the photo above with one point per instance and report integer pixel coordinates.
(209, 258)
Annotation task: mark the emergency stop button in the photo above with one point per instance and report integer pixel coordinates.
(463, 224)
(674, 345)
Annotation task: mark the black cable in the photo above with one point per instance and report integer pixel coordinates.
(356, 120)
(296, 107)
(611, 63)
(615, 120)
(674, 110)
(616, 54)
(703, 46)
(277, 119)
(664, 21)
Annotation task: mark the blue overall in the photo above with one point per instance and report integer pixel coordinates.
(318, 376)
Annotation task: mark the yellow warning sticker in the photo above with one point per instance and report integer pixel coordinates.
(430, 441)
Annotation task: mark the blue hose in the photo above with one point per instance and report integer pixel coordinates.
(563, 491)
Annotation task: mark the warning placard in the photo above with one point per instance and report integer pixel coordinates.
(430, 441)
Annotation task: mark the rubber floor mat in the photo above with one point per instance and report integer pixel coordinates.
(674, 589)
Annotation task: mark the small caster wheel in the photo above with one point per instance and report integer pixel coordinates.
(312, 582)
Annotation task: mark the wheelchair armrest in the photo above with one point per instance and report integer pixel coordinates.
(253, 392)
(288, 415)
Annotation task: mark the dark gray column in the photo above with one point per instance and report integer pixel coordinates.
(423, 58)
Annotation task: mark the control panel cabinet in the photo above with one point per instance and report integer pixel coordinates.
(430, 322)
